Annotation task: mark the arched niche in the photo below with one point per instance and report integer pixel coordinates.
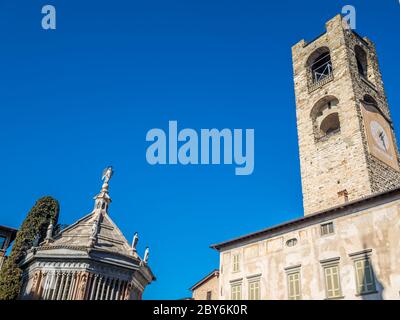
(325, 116)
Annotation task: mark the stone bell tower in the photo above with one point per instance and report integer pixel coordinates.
(347, 144)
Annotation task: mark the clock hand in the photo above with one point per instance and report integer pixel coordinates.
(382, 137)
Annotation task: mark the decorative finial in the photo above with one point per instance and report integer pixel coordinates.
(146, 255)
(102, 200)
(135, 241)
(107, 174)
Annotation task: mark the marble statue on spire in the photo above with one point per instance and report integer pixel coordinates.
(107, 174)
(146, 255)
(135, 241)
(102, 200)
(49, 233)
(36, 240)
(95, 229)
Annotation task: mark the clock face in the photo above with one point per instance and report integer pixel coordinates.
(380, 136)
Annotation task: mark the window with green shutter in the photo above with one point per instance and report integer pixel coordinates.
(254, 290)
(364, 276)
(236, 292)
(332, 282)
(294, 286)
(236, 261)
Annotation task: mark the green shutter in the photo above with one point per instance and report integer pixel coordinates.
(294, 291)
(364, 276)
(332, 281)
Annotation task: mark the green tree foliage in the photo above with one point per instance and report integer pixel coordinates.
(45, 210)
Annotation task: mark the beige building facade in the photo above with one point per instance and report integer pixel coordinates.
(348, 252)
(346, 245)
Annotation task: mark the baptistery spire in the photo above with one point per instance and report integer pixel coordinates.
(103, 199)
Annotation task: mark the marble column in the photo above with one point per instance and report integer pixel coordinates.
(61, 286)
(94, 286)
(118, 293)
(66, 287)
(98, 288)
(108, 289)
(72, 287)
(49, 280)
(55, 286)
(103, 288)
(45, 279)
(113, 289)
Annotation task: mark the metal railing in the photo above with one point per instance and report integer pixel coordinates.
(322, 72)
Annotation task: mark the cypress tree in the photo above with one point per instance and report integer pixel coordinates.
(44, 212)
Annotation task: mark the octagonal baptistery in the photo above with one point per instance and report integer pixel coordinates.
(89, 260)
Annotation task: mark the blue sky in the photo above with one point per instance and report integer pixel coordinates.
(82, 97)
